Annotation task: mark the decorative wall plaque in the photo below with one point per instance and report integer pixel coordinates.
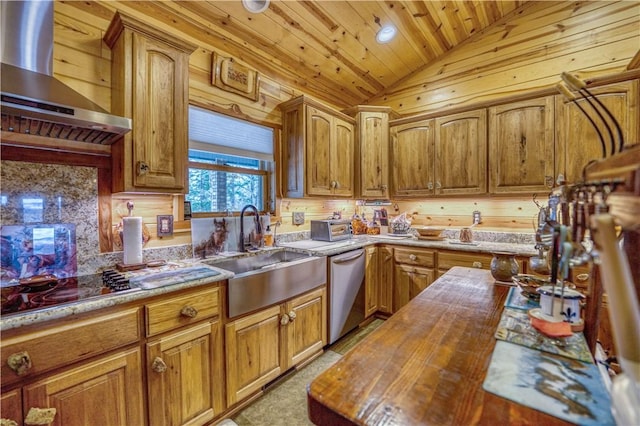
(230, 76)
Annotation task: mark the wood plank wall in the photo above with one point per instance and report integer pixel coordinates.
(529, 52)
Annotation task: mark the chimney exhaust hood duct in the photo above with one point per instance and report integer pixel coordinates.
(33, 101)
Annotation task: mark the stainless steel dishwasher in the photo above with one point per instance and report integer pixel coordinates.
(346, 292)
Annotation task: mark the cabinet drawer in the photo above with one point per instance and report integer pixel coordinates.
(447, 260)
(413, 256)
(181, 310)
(66, 343)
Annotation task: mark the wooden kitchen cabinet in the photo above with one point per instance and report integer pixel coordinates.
(107, 391)
(412, 153)
(306, 333)
(185, 374)
(460, 164)
(372, 150)
(371, 281)
(447, 259)
(317, 150)
(385, 282)
(262, 346)
(185, 367)
(60, 375)
(442, 156)
(577, 142)
(415, 270)
(150, 85)
(521, 146)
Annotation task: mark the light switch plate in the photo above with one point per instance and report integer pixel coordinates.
(298, 218)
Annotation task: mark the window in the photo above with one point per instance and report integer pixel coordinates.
(230, 163)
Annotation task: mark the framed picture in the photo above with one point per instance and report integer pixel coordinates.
(233, 77)
(165, 225)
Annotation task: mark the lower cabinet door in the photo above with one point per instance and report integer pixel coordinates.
(185, 376)
(11, 406)
(385, 283)
(107, 391)
(253, 353)
(306, 332)
(371, 280)
(409, 282)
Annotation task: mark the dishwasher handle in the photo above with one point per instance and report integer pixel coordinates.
(347, 259)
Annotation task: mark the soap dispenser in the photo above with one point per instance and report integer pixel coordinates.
(268, 237)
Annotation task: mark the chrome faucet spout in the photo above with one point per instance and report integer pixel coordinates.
(258, 226)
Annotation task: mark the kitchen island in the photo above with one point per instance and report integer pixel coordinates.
(426, 364)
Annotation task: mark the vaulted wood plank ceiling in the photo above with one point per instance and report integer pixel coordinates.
(327, 48)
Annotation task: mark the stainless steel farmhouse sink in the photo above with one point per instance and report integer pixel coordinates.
(268, 278)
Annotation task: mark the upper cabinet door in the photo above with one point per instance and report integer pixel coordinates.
(374, 154)
(319, 155)
(578, 142)
(342, 161)
(412, 154)
(159, 115)
(461, 153)
(521, 146)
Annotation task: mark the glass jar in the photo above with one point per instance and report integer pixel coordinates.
(504, 266)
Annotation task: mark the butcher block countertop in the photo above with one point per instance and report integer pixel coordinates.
(426, 364)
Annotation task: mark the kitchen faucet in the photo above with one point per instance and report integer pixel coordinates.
(258, 226)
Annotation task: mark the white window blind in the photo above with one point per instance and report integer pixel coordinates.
(209, 131)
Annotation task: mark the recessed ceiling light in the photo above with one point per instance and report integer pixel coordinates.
(255, 6)
(386, 34)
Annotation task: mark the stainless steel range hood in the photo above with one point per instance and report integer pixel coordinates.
(33, 101)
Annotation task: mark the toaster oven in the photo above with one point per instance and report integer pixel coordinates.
(330, 230)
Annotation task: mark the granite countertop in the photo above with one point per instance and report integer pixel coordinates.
(20, 319)
(501, 242)
(516, 246)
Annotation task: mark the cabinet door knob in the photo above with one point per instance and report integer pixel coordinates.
(142, 168)
(20, 362)
(384, 187)
(413, 257)
(438, 185)
(158, 365)
(284, 319)
(292, 315)
(430, 185)
(40, 416)
(477, 264)
(189, 311)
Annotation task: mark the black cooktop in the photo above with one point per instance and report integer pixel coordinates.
(42, 291)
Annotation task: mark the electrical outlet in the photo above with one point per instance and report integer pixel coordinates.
(298, 218)
(477, 217)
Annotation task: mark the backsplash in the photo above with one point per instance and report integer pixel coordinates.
(34, 193)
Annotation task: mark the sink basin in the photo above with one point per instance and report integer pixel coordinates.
(270, 277)
(257, 262)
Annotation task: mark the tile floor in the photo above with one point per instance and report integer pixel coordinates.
(285, 403)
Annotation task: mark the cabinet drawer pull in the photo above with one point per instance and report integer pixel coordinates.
(413, 257)
(20, 362)
(292, 315)
(477, 264)
(40, 416)
(158, 365)
(284, 319)
(189, 311)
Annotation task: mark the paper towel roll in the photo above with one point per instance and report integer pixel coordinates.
(132, 240)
